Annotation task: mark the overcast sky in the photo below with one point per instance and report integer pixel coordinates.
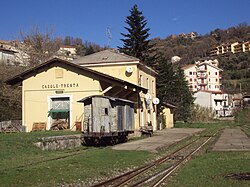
(89, 19)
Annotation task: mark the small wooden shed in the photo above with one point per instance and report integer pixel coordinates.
(107, 115)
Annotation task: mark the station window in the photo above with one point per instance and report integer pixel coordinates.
(153, 87)
(140, 81)
(59, 73)
(105, 111)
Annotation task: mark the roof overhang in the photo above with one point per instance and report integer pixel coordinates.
(56, 62)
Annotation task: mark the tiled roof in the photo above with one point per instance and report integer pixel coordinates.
(106, 56)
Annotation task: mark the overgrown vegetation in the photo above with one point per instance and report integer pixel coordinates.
(10, 97)
(23, 164)
(201, 114)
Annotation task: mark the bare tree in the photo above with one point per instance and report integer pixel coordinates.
(40, 46)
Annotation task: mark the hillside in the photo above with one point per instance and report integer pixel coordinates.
(236, 75)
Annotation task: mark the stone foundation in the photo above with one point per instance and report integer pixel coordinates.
(60, 142)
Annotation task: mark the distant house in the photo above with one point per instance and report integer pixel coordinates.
(217, 101)
(204, 80)
(228, 48)
(7, 56)
(67, 52)
(203, 75)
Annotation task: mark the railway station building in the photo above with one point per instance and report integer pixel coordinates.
(51, 90)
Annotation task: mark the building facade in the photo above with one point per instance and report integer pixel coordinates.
(203, 75)
(132, 70)
(51, 91)
(204, 80)
(228, 48)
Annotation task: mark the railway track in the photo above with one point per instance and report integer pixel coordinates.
(155, 173)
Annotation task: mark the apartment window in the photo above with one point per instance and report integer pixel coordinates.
(215, 73)
(194, 80)
(209, 73)
(190, 73)
(216, 80)
(195, 86)
(191, 86)
(190, 80)
(194, 73)
(209, 86)
(147, 83)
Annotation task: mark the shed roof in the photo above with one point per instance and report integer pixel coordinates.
(108, 97)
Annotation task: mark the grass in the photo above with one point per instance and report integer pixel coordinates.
(211, 168)
(22, 164)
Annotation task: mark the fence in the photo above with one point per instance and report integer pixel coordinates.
(11, 126)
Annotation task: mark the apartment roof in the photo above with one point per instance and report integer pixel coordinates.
(188, 66)
(17, 80)
(209, 65)
(7, 50)
(106, 56)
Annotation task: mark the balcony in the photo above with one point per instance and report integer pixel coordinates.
(201, 83)
(202, 75)
(201, 69)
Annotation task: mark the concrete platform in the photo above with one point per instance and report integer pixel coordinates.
(232, 140)
(159, 140)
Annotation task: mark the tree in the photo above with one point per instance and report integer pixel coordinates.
(40, 47)
(165, 82)
(135, 42)
(172, 88)
(183, 96)
(10, 97)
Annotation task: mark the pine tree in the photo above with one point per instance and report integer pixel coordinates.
(173, 88)
(135, 42)
(165, 82)
(184, 97)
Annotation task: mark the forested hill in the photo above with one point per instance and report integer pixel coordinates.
(236, 75)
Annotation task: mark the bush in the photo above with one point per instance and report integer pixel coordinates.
(201, 114)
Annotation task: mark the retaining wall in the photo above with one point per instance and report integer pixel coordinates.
(60, 142)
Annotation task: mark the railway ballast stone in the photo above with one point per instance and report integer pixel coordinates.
(59, 142)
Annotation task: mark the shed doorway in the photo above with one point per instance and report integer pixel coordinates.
(59, 113)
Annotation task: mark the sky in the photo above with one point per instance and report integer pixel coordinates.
(89, 19)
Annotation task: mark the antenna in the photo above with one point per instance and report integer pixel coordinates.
(109, 35)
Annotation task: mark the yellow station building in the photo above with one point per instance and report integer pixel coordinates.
(58, 85)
